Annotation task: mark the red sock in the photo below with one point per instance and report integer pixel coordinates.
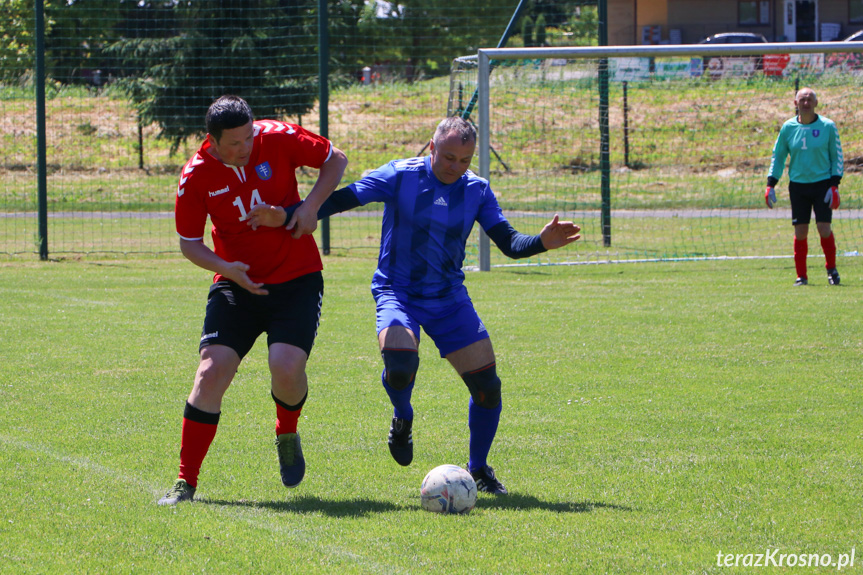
(829, 247)
(287, 416)
(801, 249)
(196, 440)
(286, 420)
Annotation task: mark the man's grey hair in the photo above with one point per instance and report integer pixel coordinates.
(457, 125)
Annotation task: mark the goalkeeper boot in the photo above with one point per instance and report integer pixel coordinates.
(486, 481)
(292, 465)
(401, 440)
(181, 491)
(801, 282)
(833, 277)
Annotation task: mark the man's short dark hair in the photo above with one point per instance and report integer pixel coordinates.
(457, 124)
(227, 112)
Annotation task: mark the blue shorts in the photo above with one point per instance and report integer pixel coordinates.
(451, 326)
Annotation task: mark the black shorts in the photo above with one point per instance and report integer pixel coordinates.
(808, 197)
(290, 314)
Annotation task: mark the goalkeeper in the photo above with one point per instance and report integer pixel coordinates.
(430, 206)
(814, 171)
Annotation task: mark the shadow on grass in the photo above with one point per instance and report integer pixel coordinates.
(516, 501)
(362, 507)
(309, 504)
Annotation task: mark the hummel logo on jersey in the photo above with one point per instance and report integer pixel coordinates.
(224, 190)
(440, 202)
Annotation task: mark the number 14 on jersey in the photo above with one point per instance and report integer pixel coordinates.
(256, 200)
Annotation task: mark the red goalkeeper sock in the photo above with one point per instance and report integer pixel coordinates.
(829, 247)
(199, 429)
(287, 416)
(801, 250)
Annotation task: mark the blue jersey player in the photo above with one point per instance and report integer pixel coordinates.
(430, 206)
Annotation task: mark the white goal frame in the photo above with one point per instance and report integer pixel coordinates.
(486, 55)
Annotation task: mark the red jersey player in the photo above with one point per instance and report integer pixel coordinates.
(267, 275)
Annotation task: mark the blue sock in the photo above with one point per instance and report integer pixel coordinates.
(401, 399)
(483, 427)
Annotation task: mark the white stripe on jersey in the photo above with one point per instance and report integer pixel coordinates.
(196, 160)
(191, 239)
(268, 126)
(240, 171)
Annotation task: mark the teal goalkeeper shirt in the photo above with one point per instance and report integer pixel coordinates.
(815, 150)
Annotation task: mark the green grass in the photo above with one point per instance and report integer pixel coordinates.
(654, 416)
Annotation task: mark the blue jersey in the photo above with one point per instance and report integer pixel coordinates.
(425, 226)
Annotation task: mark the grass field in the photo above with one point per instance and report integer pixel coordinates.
(655, 415)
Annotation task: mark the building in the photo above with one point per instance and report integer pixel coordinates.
(633, 22)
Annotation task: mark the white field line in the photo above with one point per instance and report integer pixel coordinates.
(253, 517)
(734, 213)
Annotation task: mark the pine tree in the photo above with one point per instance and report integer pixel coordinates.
(264, 51)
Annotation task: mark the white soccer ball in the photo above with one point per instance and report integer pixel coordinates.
(448, 489)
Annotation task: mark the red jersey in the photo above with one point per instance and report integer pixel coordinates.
(209, 187)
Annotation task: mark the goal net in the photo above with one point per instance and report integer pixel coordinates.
(658, 152)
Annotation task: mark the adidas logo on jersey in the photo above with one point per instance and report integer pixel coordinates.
(440, 202)
(481, 327)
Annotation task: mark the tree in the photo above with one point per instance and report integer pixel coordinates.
(425, 35)
(585, 27)
(539, 31)
(16, 39)
(79, 31)
(527, 31)
(262, 50)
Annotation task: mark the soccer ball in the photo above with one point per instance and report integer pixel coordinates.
(448, 489)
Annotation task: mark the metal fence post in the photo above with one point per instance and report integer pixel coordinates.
(482, 82)
(324, 98)
(41, 145)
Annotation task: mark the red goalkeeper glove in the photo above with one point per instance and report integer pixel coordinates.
(770, 196)
(832, 197)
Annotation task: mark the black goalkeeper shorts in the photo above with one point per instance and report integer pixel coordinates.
(290, 314)
(808, 197)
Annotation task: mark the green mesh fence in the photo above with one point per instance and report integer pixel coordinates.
(129, 83)
(690, 142)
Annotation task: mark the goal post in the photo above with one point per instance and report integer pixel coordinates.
(697, 123)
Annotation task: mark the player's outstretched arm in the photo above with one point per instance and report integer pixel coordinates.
(339, 201)
(202, 256)
(516, 245)
(305, 218)
(557, 234)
